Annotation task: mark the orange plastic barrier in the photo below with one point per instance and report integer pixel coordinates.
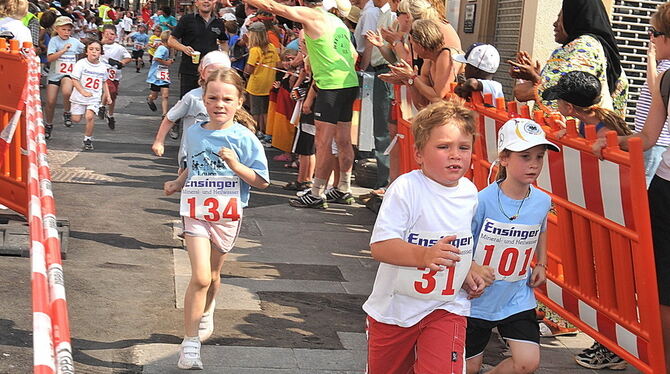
(601, 275)
(13, 162)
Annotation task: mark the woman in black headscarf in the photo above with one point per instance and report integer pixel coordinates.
(587, 44)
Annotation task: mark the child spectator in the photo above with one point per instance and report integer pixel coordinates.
(263, 56)
(159, 76)
(140, 41)
(279, 121)
(303, 144)
(116, 57)
(154, 41)
(220, 150)
(62, 53)
(46, 29)
(237, 52)
(511, 203)
(423, 237)
(89, 78)
(578, 95)
(481, 62)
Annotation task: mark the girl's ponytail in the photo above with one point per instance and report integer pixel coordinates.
(611, 120)
(245, 119)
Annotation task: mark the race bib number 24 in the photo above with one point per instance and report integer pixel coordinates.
(211, 198)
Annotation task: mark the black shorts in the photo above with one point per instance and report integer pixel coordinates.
(258, 104)
(57, 83)
(522, 326)
(155, 88)
(138, 54)
(335, 106)
(303, 144)
(659, 210)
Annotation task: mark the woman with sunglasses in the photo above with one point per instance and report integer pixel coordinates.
(659, 189)
(587, 44)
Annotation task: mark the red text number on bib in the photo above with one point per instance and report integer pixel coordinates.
(65, 67)
(111, 73)
(212, 205)
(429, 285)
(92, 83)
(508, 260)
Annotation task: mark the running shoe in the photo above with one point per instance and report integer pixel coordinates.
(111, 122)
(174, 132)
(549, 328)
(152, 105)
(590, 352)
(189, 355)
(88, 145)
(47, 130)
(308, 201)
(603, 358)
(206, 326)
(336, 196)
(67, 119)
(137, 70)
(102, 112)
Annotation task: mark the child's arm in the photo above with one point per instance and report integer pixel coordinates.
(77, 85)
(173, 186)
(161, 61)
(163, 130)
(106, 97)
(401, 253)
(466, 88)
(246, 173)
(539, 275)
(56, 55)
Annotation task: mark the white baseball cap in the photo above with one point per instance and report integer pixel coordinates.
(520, 134)
(482, 56)
(229, 17)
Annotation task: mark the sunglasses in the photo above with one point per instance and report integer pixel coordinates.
(400, 13)
(655, 33)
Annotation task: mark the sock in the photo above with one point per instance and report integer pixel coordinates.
(191, 339)
(88, 137)
(319, 187)
(345, 182)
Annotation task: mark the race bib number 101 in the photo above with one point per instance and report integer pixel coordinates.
(507, 248)
(443, 285)
(211, 198)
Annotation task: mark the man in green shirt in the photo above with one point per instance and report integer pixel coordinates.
(332, 58)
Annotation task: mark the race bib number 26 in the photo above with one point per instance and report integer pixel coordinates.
(507, 248)
(211, 198)
(442, 285)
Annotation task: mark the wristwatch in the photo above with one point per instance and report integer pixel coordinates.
(410, 82)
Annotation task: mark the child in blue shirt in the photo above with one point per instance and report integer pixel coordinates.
(225, 159)
(140, 41)
(510, 229)
(159, 75)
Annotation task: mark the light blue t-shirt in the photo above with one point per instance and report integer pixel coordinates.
(202, 148)
(64, 65)
(168, 20)
(139, 40)
(154, 76)
(503, 299)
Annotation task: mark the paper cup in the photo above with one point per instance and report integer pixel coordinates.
(195, 57)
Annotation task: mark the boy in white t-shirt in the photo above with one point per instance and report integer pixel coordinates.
(481, 62)
(423, 239)
(116, 57)
(90, 90)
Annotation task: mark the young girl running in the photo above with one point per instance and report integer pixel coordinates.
(225, 154)
(62, 53)
(88, 78)
(510, 229)
(159, 75)
(190, 109)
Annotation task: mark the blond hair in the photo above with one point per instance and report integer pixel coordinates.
(259, 39)
(165, 35)
(661, 19)
(442, 113)
(404, 7)
(427, 34)
(230, 76)
(13, 8)
(423, 9)
(610, 118)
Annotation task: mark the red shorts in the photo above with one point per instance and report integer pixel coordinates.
(113, 87)
(435, 345)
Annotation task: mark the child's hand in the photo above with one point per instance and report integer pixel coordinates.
(66, 47)
(86, 93)
(158, 148)
(108, 100)
(276, 84)
(229, 156)
(474, 284)
(307, 107)
(441, 254)
(485, 272)
(538, 277)
(170, 187)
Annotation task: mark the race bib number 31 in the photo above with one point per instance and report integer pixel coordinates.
(211, 198)
(508, 248)
(443, 285)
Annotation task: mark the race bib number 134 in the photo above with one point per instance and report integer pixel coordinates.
(211, 198)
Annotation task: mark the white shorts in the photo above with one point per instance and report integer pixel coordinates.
(80, 109)
(222, 235)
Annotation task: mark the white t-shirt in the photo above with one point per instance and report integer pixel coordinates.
(16, 27)
(190, 109)
(92, 77)
(127, 24)
(117, 52)
(414, 204)
(492, 87)
(367, 21)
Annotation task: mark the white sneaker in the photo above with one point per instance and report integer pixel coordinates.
(189, 355)
(207, 323)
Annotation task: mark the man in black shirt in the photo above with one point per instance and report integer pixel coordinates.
(201, 31)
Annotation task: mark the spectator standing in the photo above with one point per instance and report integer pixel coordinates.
(11, 13)
(367, 22)
(196, 32)
(105, 13)
(167, 20)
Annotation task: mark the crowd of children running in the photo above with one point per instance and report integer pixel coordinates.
(270, 89)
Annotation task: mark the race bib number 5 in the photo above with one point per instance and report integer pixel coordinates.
(211, 198)
(442, 285)
(507, 248)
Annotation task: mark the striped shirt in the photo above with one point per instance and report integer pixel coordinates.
(644, 103)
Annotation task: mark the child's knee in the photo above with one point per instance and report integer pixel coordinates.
(201, 280)
(526, 364)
